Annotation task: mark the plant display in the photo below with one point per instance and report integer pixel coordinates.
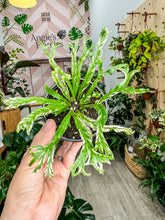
(74, 101)
(75, 209)
(144, 47)
(158, 115)
(117, 141)
(155, 175)
(151, 142)
(116, 43)
(11, 84)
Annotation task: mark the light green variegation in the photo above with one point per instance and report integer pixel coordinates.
(75, 103)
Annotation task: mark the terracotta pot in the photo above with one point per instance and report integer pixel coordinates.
(120, 47)
(157, 125)
(146, 96)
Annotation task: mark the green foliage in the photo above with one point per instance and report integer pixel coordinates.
(13, 84)
(86, 5)
(117, 141)
(123, 111)
(151, 142)
(5, 22)
(116, 44)
(16, 146)
(75, 34)
(27, 28)
(75, 104)
(20, 18)
(155, 176)
(75, 209)
(146, 46)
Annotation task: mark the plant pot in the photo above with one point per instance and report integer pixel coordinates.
(72, 134)
(157, 125)
(135, 168)
(146, 96)
(120, 47)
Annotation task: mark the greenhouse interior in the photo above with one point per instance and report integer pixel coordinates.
(82, 110)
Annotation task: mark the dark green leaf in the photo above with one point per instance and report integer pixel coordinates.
(27, 28)
(20, 18)
(5, 21)
(75, 33)
(162, 148)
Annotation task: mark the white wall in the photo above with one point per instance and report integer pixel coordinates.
(108, 13)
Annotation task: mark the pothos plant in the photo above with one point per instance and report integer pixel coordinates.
(75, 103)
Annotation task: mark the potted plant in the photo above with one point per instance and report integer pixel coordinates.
(155, 175)
(73, 100)
(158, 117)
(116, 43)
(145, 47)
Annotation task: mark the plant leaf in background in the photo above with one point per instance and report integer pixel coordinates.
(20, 18)
(75, 209)
(5, 21)
(75, 34)
(27, 28)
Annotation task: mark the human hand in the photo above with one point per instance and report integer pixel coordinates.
(30, 195)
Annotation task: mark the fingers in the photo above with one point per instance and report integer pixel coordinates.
(71, 153)
(43, 137)
(46, 133)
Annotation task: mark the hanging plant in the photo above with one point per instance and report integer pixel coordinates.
(146, 46)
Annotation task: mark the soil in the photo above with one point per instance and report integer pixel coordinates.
(72, 132)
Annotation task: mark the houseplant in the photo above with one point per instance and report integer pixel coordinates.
(145, 47)
(9, 161)
(158, 117)
(155, 175)
(74, 102)
(116, 44)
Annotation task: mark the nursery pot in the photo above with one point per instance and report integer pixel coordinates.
(72, 134)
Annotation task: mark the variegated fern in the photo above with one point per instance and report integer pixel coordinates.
(74, 102)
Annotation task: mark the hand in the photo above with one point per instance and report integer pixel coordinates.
(32, 197)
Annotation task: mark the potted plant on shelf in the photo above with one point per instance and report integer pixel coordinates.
(158, 117)
(116, 43)
(145, 47)
(76, 100)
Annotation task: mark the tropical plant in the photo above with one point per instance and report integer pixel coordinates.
(117, 141)
(145, 47)
(11, 84)
(151, 142)
(158, 115)
(74, 102)
(75, 209)
(116, 43)
(155, 175)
